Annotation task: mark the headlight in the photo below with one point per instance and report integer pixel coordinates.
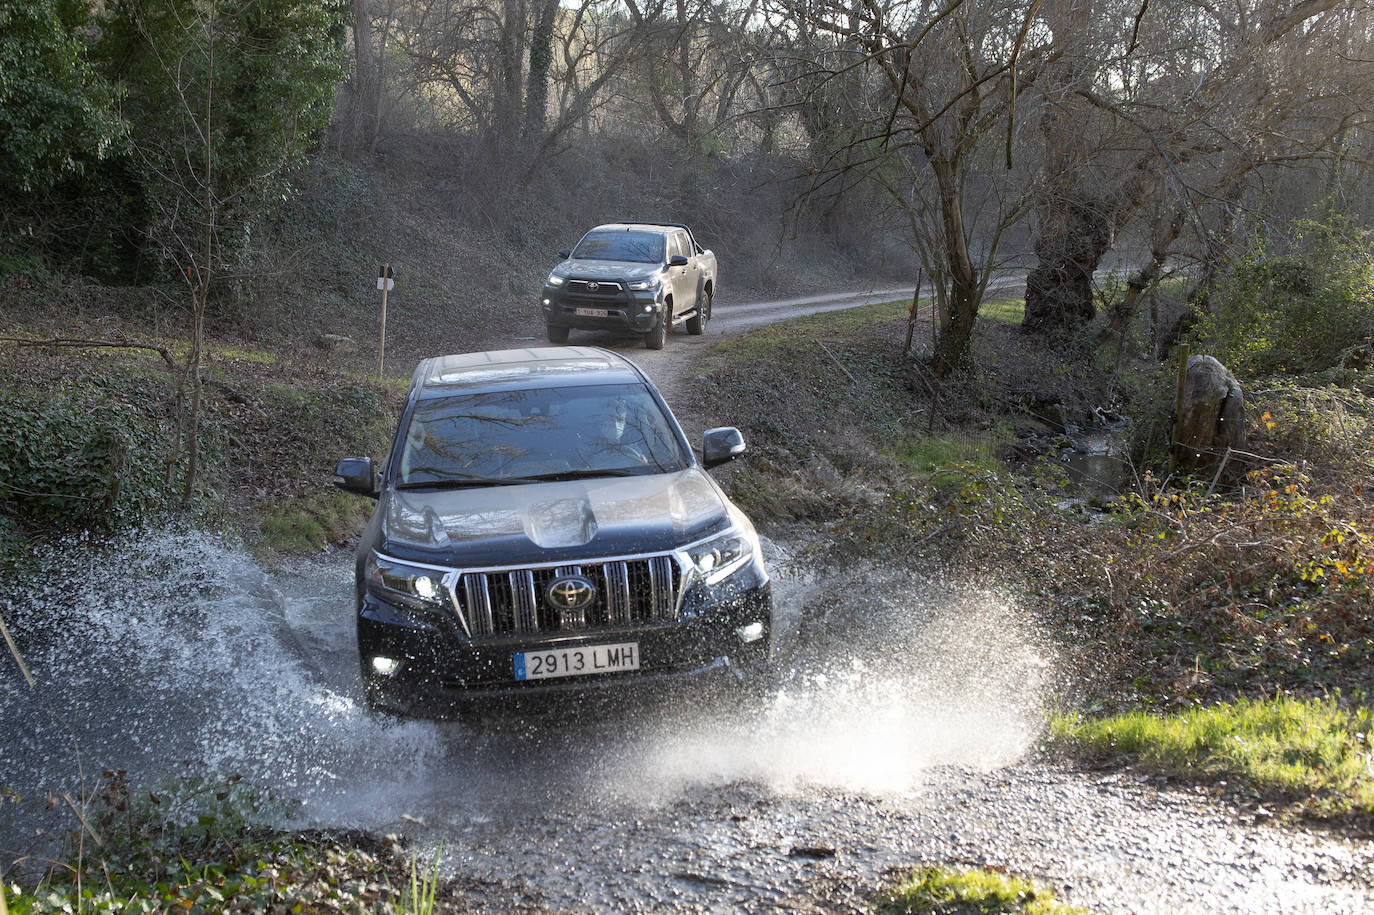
(643, 285)
(408, 585)
(554, 280)
(720, 557)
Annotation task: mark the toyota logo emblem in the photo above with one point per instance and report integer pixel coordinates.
(570, 592)
(593, 287)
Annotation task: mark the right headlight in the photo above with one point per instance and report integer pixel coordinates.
(718, 558)
(652, 283)
(554, 280)
(416, 586)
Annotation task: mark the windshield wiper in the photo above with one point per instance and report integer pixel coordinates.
(455, 483)
(582, 474)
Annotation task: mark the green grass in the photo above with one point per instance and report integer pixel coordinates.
(931, 452)
(1317, 750)
(1007, 311)
(310, 524)
(937, 891)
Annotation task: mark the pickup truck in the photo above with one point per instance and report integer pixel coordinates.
(639, 277)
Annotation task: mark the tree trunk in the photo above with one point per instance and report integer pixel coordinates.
(965, 293)
(1076, 228)
(361, 131)
(541, 62)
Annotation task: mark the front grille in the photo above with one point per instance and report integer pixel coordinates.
(595, 287)
(513, 602)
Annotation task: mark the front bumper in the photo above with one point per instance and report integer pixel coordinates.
(442, 670)
(628, 311)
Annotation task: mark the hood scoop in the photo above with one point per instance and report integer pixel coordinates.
(560, 523)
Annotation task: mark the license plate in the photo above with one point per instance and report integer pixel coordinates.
(576, 662)
(593, 313)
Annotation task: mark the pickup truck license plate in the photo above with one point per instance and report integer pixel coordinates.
(575, 662)
(592, 313)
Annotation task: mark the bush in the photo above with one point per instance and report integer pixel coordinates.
(72, 461)
(1296, 313)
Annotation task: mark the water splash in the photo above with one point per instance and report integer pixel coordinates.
(175, 655)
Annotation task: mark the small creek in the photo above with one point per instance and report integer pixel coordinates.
(901, 731)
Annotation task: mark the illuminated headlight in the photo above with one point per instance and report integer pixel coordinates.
(398, 582)
(387, 667)
(643, 285)
(555, 280)
(746, 634)
(720, 557)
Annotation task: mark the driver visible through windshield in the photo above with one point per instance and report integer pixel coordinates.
(517, 436)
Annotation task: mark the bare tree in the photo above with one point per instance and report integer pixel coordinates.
(947, 79)
(1193, 96)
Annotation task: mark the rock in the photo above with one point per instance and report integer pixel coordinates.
(336, 343)
(1212, 415)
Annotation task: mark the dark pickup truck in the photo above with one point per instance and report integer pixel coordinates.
(638, 277)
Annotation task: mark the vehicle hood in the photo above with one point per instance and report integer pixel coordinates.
(628, 270)
(510, 525)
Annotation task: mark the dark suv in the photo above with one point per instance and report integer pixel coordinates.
(542, 525)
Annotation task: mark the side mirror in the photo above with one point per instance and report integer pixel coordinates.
(721, 444)
(565, 253)
(677, 260)
(356, 475)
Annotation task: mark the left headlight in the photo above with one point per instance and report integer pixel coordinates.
(409, 585)
(650, 284)
(718, 558)
(554, 280)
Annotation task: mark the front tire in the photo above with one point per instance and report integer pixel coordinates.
(696, 324)
(655, 338)
(557, 333)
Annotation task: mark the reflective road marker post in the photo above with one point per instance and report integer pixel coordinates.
(386, 281)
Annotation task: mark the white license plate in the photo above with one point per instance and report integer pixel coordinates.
(593, 313)
(576, 662)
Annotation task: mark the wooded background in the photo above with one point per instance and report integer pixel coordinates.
(142, 140)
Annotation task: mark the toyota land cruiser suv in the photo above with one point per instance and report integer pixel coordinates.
(638, 277)
(542, 525)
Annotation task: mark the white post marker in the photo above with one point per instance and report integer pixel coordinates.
(385, 282)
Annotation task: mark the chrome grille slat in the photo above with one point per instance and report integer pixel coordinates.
(478, 604)
(525, 600)
(512, 601)
(617, 592)
(661, 576)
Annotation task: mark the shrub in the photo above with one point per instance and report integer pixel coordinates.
(1298, 312)
(71, 461)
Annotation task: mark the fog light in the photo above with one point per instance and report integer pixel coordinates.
(385, 666)
(751, 633)
(546, 303)
(648, 308)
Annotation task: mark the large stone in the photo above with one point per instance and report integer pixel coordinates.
(1212, 416)
(336, 343)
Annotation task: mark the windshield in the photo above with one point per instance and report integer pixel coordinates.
(543, 434)
(641, 247)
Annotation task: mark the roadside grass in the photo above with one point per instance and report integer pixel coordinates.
(1006, 311)
(941, 891)
(1315, 751)
(311, 523)
(928, 453)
